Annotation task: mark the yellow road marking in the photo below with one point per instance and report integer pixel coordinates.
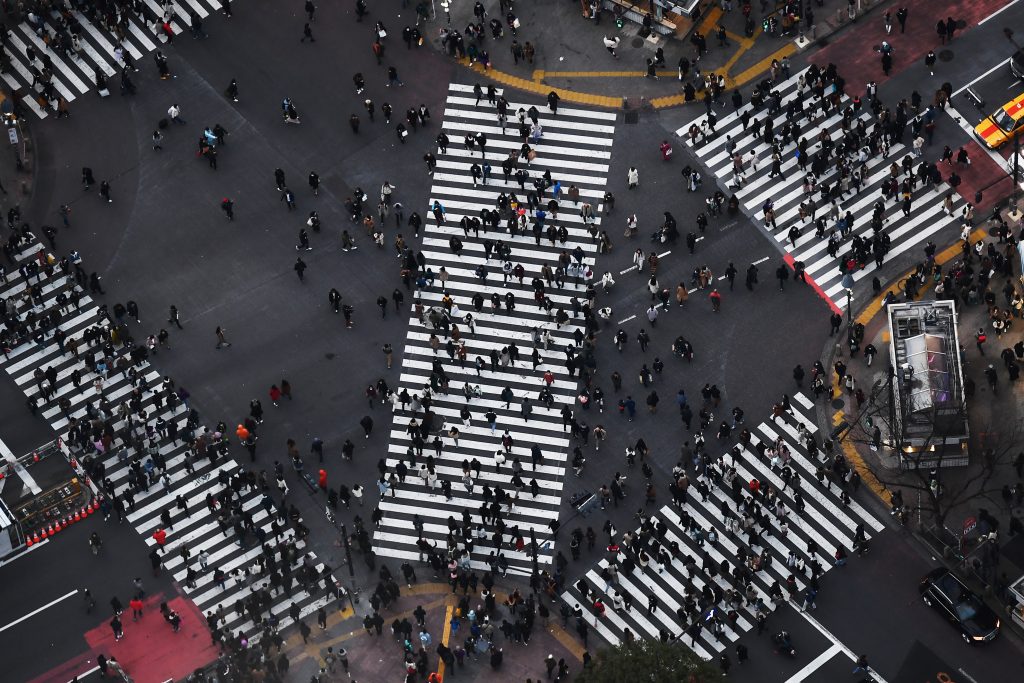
(946, 255)
(543, 89)
(737, 81)
(756, 70)
(567, 640)
(710, 21)
(852, 456)
(444, 638)
(864, 317)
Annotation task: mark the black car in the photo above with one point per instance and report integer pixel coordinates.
(1017, 64)
(965, 610)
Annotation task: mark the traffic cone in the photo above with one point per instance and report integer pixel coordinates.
(42, 533)
(78, 516)
(95, 504)
(50, 530)
(56, 526)
(35, 538)
(29, 541)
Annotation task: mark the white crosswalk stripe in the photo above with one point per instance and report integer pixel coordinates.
(49, 295)
(73, 69)
(575, 149)
(927, 216)
(683, 571)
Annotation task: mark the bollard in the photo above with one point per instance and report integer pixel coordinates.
(814, 31)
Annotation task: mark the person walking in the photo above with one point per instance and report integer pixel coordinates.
(228, 207)
(173, 316)
(300, 268)
(222, 339)
(117, 627)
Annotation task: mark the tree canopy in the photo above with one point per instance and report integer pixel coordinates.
(649, 661)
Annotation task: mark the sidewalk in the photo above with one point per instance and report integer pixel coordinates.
(993, 418)
(382, 655)
(572, 60)
(17, 165)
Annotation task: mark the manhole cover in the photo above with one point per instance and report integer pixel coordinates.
(632, 117)
(838, 403)
(945, 55)
(329, 356)
(637, 41)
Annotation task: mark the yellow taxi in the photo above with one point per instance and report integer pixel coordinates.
(1004, 125)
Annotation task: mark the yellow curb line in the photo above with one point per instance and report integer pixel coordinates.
(946, 255)
(543, 90)
(444, 638)
(567, 640)
(867, 476)
(850, 451)
(710, 20)
(737, 81)
(756, 70)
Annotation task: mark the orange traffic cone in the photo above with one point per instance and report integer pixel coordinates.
(50, 530)
(95, 505)
(56, 527)
(42, 533)
(28, 541)
(35, 538)
(78, 516)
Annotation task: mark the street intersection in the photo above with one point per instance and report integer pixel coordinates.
(164, 241)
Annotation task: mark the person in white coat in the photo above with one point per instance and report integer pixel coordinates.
(612, 44)
(633, 177)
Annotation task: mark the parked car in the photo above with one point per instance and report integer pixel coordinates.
(948, 595)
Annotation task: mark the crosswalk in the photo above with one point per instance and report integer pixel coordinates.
(927, 217)
(72, 49)
(575, 148)
(825, 522)
(95, 381)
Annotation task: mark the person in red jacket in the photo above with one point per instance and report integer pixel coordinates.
(275, 394)
(160, 536)
(136, 606)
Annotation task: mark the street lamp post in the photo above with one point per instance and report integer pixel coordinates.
(353, 594)
(847, 283)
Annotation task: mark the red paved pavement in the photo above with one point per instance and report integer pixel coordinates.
(854, 51)
(981, 175)
(150, 651)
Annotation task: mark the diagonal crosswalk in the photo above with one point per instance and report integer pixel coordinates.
(68, 49)
(904, 232)
(685, 571)
(68, 358)
(525, 495)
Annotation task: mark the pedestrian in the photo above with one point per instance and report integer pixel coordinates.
(116, 627)
(222, 339)
(901, 17)
(307, 34)
(228, 207)
(632, 177)
(105, 191)
(173, 316)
